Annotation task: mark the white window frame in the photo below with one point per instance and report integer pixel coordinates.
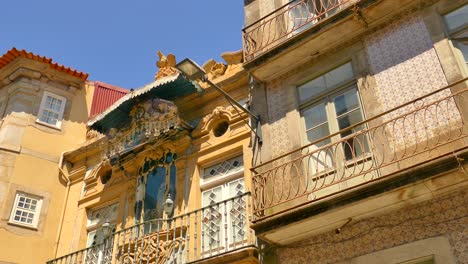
(36, 212)
(454, 35)
(217, 180)
(223, 182)
(43, 107)
(326, 97)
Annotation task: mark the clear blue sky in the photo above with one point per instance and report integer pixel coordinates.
(116, 41)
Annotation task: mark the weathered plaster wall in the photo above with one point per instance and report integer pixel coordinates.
(445, 216)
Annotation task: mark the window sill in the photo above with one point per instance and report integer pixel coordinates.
(22, 225)
(48, 125)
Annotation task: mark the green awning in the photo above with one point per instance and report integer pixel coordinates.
(167, 88)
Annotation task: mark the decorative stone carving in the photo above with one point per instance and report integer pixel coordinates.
(214, 69)
(220, 113)
(232, 57)
(150, 119)
(208, 65)
(218, 69)
(91, 134)
(166, 65)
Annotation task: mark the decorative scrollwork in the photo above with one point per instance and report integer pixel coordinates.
(153, 250)
(150, 119)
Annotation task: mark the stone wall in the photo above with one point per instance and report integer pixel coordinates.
(445, 216)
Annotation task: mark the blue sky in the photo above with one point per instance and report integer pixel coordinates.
(116, 41)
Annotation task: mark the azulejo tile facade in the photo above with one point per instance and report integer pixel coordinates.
(443, 216)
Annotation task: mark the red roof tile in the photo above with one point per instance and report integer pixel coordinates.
(13, 53)
(104, 96)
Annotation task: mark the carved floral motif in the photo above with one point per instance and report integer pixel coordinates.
(150, 119)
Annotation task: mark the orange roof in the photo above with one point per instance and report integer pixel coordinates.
(13, 53)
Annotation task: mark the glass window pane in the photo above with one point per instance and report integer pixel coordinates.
(212, 196)
(463, 47)
(315, 116)
(318, 133)
(346, 102)
(339, 76)
(236, 188)
(457, 18)
(325, 82)
(312, 88)
(349, 120)
(355, 146)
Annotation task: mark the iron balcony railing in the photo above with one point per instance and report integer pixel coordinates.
(211, 231)
(404, 137)
(287, 22)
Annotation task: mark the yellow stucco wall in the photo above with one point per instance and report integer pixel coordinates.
(30, 154)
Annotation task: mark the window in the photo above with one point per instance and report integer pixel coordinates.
(305, 13)
(95, 220)
(51, 110)
(224, 207)
(457, 26)
(328, 104)
(26, 210)
(99, 250)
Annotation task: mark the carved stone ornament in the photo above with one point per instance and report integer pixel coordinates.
(91, 134)
(218, 69)
(166, 65)
(150, 119)
(228, 114)
(214, 69)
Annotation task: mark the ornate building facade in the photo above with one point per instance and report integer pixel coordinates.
(163, 175)
(363, 110)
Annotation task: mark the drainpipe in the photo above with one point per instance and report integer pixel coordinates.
(66, 177)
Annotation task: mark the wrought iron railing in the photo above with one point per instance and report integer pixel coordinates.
(286, 22)
(207, 232)
(404, 137)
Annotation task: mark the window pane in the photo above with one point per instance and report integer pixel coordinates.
(224, 168)
(346, 102)
(463, 47)
(339, 75)
(236, 188)
(49, 117)
(212, 196)
(457, 18)
(318, 133)
(349, 120)
(356, 145)
(315, 116)
(312, 88)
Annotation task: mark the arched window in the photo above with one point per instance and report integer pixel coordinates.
(155, 182)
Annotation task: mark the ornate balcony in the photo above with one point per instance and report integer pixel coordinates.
(406, 137)
(220, 230)
(287, 22)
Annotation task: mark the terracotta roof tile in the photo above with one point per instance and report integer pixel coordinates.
(14, 53)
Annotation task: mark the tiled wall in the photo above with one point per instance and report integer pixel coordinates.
(405, 66)
(443, 216)
(277, 108)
